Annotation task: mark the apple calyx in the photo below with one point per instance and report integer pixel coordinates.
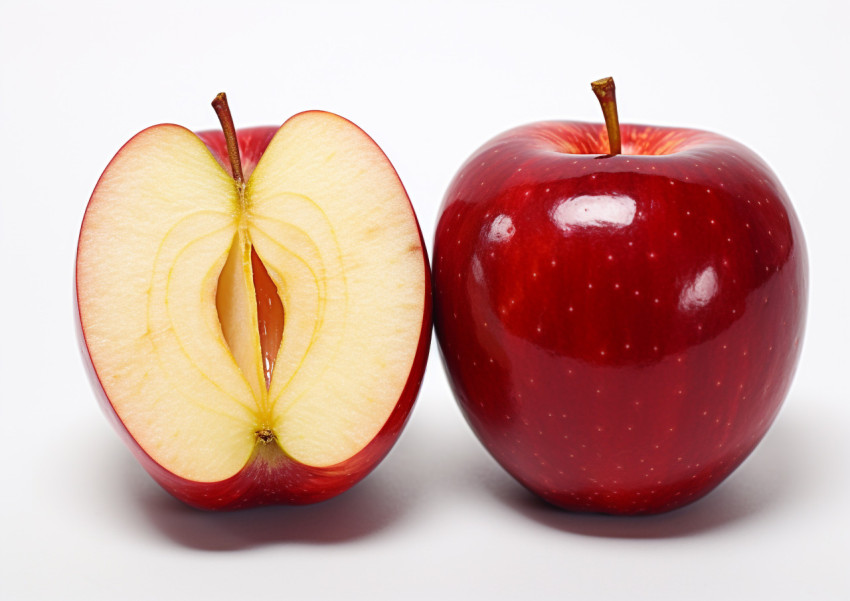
(604, 90)
(265, 436)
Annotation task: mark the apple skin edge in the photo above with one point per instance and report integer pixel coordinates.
(619, 331)
(284, 480)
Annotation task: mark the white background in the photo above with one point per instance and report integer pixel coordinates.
(430, 82)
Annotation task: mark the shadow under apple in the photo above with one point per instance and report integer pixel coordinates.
(417, 472)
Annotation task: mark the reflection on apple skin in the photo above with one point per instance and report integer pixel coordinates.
(604, 210)
(699, 292)
(631, 340)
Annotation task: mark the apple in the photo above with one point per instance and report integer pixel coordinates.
(256, 307)
(619, 328)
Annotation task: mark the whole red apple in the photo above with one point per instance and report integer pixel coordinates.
(619, 330)
(255, 306)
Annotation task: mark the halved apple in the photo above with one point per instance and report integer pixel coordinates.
(259, 319)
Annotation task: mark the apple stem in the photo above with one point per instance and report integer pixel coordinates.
(604, 90)
(226, 118)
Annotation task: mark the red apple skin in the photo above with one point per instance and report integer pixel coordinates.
(619, 331)
(252, 142)
(273, 477)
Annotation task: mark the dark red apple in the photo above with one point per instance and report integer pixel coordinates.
(257, 320)
(620, 330)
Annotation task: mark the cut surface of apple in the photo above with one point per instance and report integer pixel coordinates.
(174, 256)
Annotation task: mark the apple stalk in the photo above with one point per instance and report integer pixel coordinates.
(605, 92)
(225, 117)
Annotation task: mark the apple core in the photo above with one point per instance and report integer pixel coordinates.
(270, 316)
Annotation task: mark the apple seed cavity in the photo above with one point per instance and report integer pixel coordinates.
(270, 313)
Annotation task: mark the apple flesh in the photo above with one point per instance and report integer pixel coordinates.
(619, 331)
(261, 343)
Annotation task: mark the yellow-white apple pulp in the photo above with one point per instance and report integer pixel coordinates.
(167, 232)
